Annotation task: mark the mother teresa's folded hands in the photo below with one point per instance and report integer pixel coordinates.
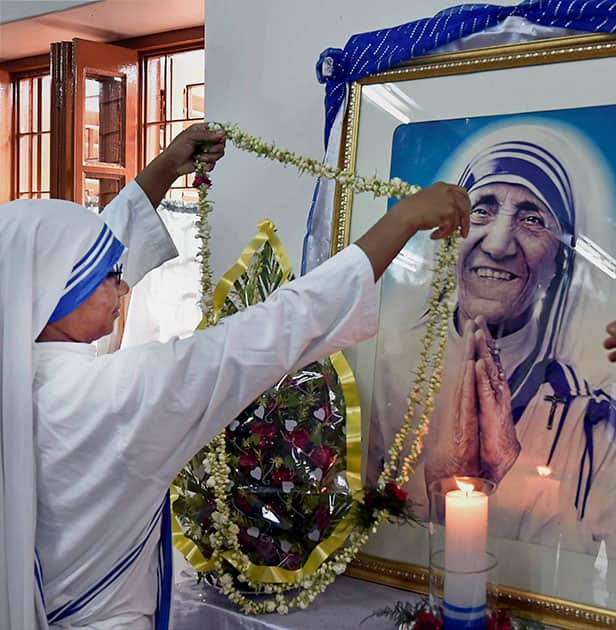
(478, 437)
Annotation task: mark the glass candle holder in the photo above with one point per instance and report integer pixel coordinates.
(460, 562)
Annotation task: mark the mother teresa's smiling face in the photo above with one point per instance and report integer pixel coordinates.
(508, 259)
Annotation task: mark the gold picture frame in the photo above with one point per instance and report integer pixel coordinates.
(363, 133)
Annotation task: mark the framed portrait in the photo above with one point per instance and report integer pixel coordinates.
(530, 131)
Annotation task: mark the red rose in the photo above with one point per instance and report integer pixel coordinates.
(282, 474)
(248, 460)
(322, 456)
(395, 492)
(321, 517)
(266, 548)
(499, 620)
(370, 500)
(425, 620)
(201, 180)
(204, 516)
(266, 431)
(245, 539)
(290, 561)
(300, 438)
(242, 503)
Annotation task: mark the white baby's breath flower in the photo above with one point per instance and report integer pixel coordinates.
(410, 438)
(226, 579)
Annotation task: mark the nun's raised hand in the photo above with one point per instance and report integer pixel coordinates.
(179, 159)
(499, 445)
(455, 447)
(610, 342)
(197, 142)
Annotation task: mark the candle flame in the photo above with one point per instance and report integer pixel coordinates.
(465, 487)
(544, 471)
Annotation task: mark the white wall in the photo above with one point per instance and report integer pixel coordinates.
(260, 73)
(12, 10)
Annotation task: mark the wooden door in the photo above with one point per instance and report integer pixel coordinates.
(94, 91)
(94, 121)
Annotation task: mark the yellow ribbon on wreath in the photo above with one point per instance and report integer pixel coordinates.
(320, 553)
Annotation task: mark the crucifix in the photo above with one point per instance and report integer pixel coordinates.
(555, 400)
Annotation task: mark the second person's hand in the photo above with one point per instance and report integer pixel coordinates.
(196, 143)
(442, 206)
(179, 159)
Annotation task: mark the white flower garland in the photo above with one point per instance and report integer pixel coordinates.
(427, 382)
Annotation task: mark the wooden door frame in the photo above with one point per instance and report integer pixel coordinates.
(6, 137)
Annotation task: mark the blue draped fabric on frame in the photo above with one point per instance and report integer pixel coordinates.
(377, 51)
(369, 53)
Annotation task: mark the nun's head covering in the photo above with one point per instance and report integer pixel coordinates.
(54, 255)
(560, 167)
(525, 164)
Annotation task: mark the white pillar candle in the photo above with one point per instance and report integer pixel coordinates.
(466, 536)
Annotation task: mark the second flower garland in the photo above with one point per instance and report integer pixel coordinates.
(379, 504)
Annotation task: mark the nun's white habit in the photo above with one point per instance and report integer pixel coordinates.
(90, 444)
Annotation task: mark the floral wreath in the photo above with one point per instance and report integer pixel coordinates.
(387, 501)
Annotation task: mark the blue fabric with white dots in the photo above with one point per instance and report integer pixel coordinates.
(376, 51)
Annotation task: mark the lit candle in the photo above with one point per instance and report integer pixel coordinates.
(466, 577)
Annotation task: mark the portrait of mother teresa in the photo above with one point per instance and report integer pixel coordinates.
(523, 400)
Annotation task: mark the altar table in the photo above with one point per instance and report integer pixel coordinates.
(342, 606)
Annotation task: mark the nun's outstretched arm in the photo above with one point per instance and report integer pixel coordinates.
(610, 342)
(441, 207)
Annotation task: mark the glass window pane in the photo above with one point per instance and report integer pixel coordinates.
(154, 141)
(45, 154)
(175, 97)
(99, 191)
(104, 120)
(24, 164)
(155, 87)
(24, 105)
(34, 162)
(45, 122)
(35, 105)
(195, 101)
(187, 69)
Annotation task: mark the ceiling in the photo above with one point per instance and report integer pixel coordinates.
(105, 21)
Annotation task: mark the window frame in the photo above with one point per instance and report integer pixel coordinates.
(17, 69)
(166, 42)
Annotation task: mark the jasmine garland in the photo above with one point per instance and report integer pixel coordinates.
(383, 503)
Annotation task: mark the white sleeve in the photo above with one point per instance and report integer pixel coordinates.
(134, 221)
(168, 400)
